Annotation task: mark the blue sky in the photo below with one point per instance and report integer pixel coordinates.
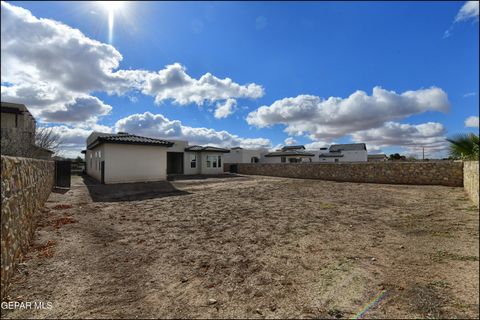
(307, 51)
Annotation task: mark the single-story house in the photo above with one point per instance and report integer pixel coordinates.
(124, 157)
(351, 152)
(189, 160)
(289, 154)
(241, 155)
(377, 157)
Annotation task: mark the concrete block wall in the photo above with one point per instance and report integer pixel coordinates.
(26, 184)
(447, 173)
(470, 179)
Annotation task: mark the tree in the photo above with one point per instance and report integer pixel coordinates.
(464, 146)
(397, 156)
(45, 138)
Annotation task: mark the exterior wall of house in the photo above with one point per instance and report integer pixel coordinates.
(329, 159)
(203, 163)
(187, 158)
(354, 156)
(179, 146)
(8, 120)
(287, 159)
(382, 159)
(243, 155)
(134, 163)
(93, 160)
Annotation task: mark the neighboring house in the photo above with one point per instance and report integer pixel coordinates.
(188, 160)
(352, 152)
(289, 154)
(240, 155)
(124, 157)
(18, 132)
(377, 157)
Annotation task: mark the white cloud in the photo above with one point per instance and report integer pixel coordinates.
(315, 145)
(290, 141)
(430, 135)
(472, 122)
(468, 11)
(49, 65)
(469, 94)
(157, 125)
(81, 109)
(225, 109)
(174, 83)
(335, 117)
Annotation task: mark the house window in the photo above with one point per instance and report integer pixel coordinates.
(193, 161)
(214, 161)
(209, 161)
(336, 160)
(254, 160)
(283, 159)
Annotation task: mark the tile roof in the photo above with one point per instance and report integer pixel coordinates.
(126, 138)
(285, 148)
(377, 156)
(206, 149)
(348, 147)
(289, 153)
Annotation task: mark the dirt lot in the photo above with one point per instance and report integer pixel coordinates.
(253, 247)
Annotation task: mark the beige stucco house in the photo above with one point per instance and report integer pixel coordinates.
(124, 157)
(17, 132)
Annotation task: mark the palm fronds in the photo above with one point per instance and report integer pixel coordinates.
(464, 146)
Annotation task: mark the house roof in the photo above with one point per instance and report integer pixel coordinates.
(348, 147)
(15, 108)
(236, 148)
(299, 147)
(126, 138)
(289, 153)
(206, 149)
(377, 156)
(330, 155)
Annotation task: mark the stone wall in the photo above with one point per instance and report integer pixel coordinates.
(447, 173)
(26, 185)
(470, 179)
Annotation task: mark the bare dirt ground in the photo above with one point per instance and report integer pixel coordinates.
(254, 247)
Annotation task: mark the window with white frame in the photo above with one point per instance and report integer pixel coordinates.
(193, 161)
(214, 161)
(209, 161)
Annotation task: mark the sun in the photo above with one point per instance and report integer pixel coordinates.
(112, 6)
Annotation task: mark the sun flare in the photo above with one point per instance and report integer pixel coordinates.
(112, 7)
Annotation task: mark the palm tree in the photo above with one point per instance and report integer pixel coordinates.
(464, 146)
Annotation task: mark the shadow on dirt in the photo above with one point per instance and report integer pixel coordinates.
(120, 192)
